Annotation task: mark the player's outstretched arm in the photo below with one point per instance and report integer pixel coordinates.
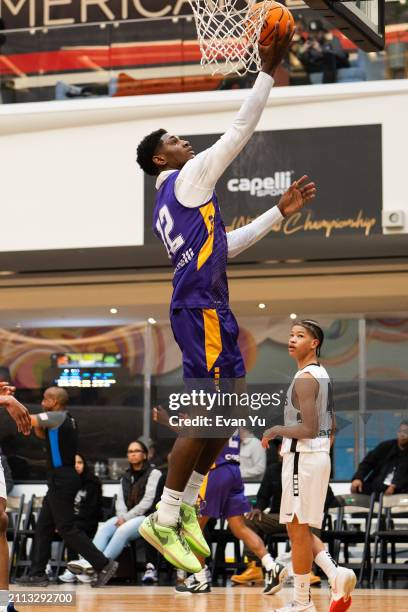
(298, 194)
(162, 417)
(197, 179)
(292, 201)
(17, 411)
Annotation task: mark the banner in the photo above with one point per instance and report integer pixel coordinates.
(19, 14)
(345, 163)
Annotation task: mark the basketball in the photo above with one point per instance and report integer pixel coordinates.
(276, 14)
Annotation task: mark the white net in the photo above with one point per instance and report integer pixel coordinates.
(228, 31)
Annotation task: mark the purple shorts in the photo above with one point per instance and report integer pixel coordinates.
(222, 493)
(208, 340)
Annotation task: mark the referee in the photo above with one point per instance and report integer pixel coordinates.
(59, 430)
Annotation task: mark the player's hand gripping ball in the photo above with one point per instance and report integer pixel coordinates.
(277, 13)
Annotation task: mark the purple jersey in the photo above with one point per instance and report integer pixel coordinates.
(196, 243)
(230, 452)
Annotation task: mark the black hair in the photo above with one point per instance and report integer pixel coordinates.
(315, 330)
(146, 149)
(144, 447)
(87, 473)
(404, 422)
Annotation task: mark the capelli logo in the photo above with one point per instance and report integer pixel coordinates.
(275, 185)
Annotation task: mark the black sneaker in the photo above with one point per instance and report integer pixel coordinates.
(105, 574)
(33, 581)
(191, 585)
(275, 578)
(11, 608)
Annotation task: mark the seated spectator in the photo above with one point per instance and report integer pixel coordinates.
(136, 499)
(87, 507)
(252, 456)
(321, 53)
(157, 456)
(385, 468)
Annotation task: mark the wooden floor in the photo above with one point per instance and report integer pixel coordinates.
(230, 599)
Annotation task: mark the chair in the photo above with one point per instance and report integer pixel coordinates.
(391, 508)
(24, 533)
(272, 540)
(346, 533)
(221, 536)
(15, 508)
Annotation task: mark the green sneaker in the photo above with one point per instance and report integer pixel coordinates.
(192, 530)
(170, 542)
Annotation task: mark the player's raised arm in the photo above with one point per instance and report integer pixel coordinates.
(196, 181)
(292, 201)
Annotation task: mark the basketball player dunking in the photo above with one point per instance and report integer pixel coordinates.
(187, 220)
(307, 437)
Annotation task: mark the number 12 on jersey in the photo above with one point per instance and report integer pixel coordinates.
(165, 225)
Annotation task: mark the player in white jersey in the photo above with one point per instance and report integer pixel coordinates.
(20, 414)
(307, 437)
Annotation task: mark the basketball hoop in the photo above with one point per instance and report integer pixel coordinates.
(228, 37)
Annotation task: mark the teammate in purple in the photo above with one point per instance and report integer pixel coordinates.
(222, 495)
(188, 221)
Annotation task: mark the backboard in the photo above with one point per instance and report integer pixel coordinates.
(362, 21)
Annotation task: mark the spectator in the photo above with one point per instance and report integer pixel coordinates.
(59, 430)
(385, 468)
(252, 456)
(87, 507)
(157, 457)
(321, 53)
(136, 498)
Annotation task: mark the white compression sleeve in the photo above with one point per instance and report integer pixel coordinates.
(242, 238)
(196, 182)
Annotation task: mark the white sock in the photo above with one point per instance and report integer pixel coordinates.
(4, 599)
(192, 489)
(268, 562)
(201, 576)
(169, 507)
(327, 565)
(302, 589)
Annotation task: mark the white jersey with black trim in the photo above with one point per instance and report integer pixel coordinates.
(324, 408)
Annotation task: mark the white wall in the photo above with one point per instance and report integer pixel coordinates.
(251, 488)
(69, 177)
